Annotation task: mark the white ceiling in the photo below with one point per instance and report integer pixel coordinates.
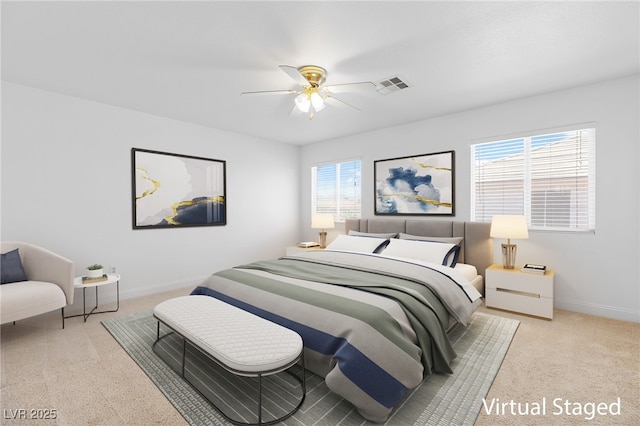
(191, 60)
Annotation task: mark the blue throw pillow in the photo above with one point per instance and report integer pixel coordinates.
(11, 268)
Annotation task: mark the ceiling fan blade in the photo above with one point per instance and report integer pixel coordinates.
(339, 103)
(272, 92)
(350, 87)
(294, 74)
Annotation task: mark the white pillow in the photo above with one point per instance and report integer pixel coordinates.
(470, 272)
(373, 234)
(357, 244)
(427, 251)
(451, 240)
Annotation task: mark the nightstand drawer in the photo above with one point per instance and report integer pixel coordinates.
(513, 290)
(513, 279)
(526, 303)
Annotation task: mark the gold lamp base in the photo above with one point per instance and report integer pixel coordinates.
(509, 255)
(323, 239)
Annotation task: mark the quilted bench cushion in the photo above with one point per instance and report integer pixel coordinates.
(240, 340)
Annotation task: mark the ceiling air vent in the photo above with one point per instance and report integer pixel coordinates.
(391, 85)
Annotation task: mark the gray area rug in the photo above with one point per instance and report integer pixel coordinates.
(454, 399)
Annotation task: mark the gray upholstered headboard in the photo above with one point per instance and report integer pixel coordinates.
(477, 246)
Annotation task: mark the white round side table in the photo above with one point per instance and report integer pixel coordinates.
(79, 282)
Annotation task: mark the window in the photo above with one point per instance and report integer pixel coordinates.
(336, 189)
(548, 178)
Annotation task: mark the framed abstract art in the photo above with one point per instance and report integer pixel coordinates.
(416, 185)
(175, 191)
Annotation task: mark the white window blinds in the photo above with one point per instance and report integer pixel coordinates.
(336, 189)
(548, 178)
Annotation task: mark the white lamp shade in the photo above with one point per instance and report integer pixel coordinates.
(302, 102)
(305, 100)
(317, 101)
(322, 221)
(509, 226)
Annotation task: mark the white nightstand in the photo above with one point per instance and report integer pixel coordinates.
(523, 292)
(292, 250)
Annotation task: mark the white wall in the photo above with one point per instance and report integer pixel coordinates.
(596, 273)
(66, 185)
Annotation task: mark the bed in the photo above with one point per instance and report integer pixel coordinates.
(372, 313)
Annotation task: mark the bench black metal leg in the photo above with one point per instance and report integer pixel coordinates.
(184, 354)
(259, 399)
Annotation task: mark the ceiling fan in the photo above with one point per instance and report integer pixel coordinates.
(312, 96)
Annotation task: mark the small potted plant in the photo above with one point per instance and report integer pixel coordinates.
(94, 271)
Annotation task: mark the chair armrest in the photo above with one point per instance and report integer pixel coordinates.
(41, 264)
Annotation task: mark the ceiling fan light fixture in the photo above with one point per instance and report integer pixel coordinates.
(317, 101)
(303, 102)
(312, 97)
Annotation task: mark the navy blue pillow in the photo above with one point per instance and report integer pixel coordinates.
(455, 252)
(11, 268)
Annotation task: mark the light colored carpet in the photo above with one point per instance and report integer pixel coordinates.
(580, 359)
(440, 400)
(83, 373)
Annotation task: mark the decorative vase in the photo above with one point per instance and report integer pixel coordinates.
(94, 273)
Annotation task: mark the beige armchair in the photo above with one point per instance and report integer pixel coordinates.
(49, 285)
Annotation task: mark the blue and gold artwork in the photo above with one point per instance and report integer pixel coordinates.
(417, 185)
(172, 190)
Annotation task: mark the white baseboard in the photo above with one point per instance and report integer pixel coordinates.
(132, 293)
(598, 310)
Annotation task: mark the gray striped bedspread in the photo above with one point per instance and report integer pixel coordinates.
(372, 326)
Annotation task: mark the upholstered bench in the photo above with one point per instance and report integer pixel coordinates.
(240, 342)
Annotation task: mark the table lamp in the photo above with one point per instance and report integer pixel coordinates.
(322, 221)
(509, 226)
